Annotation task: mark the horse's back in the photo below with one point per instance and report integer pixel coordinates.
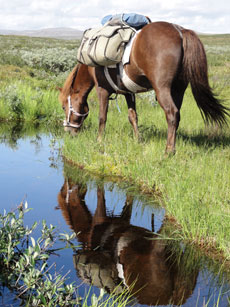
(161, 31)
(158, 37)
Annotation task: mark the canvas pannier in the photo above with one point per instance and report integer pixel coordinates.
(104, 46)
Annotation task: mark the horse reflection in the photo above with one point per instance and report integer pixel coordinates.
(116, 255)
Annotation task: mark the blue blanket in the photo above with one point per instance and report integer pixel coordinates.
(136, 21)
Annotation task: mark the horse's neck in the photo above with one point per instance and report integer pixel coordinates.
(84, 81)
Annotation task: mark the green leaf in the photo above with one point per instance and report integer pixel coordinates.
(42, 298)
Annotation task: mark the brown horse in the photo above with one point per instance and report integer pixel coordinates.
(164, 57)
(118, 256)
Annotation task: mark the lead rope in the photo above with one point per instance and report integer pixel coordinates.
(115, 98)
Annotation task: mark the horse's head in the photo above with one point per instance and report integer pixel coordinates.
(76, 110)
(73, 97)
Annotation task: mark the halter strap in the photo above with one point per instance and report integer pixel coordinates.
(67, 123)
(69, 191)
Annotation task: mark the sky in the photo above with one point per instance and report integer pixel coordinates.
(205, 16)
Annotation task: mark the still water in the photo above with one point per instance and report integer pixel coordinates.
(117, 231)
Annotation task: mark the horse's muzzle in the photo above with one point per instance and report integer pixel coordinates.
(72, 131)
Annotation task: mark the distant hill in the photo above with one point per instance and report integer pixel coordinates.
(63, 33)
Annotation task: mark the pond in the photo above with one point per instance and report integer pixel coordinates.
(123, 238)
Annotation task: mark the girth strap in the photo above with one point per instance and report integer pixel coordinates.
(128, 83)
(110, 80)
(131, 86)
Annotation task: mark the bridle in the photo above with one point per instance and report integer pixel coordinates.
(67, 123)
(69, 192)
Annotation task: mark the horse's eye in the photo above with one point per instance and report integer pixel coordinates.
(63, 108)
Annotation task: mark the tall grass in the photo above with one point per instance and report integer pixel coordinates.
(21, 101)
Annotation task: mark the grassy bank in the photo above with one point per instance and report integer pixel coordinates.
(194, 185)
(21, 101)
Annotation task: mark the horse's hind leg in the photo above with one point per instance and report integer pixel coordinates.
(177, 92)
(172, 116)
(132, 114)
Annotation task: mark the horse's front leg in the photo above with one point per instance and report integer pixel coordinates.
(132, 114)
(103, 96)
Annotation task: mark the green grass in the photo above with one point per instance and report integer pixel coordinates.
(26, 97)
(193, 185)
(23, 101)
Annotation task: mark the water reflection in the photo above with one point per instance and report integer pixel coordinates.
(13, 132)
(116, 255)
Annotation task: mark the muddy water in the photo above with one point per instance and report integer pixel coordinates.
(124, 239)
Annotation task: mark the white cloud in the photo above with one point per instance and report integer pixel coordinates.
(203, 16)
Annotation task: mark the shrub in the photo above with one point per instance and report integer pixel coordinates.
(24, 262)
(54, 59)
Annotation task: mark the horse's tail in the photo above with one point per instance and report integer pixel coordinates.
(195, 70)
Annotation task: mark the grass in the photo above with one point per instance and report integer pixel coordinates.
(20, 101)
(193, 185)
(25, 98)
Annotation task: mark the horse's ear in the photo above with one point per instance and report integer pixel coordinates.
(59, 88)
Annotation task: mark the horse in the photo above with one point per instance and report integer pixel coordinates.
(122, 258)
(164, 57)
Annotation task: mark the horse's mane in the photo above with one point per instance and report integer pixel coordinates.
(69, 82)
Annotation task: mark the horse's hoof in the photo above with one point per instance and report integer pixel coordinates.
(99, 139)
(169, 152)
